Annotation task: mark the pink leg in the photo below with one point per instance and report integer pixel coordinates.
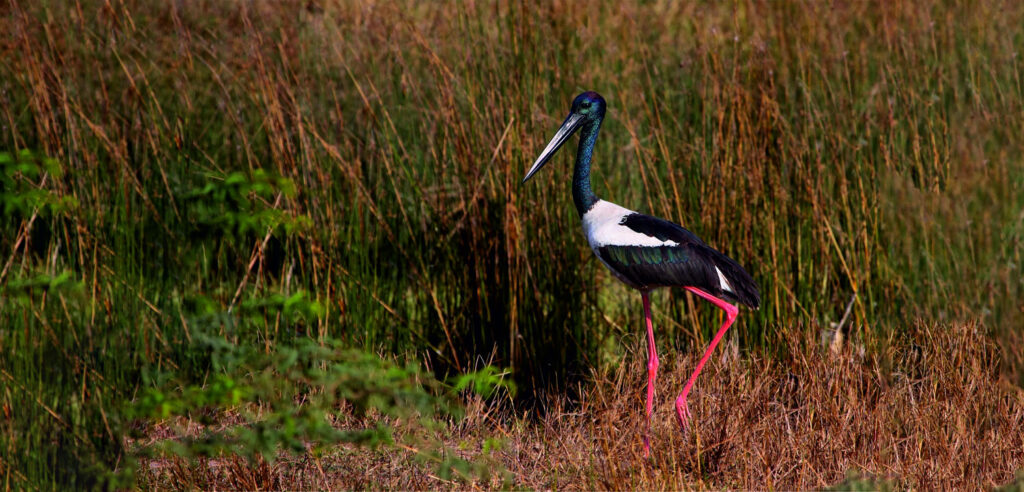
(652, 370)
(682, 410)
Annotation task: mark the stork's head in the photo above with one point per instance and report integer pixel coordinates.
(587, 108)
(589, 105)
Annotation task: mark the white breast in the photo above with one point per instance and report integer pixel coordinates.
(601, 225)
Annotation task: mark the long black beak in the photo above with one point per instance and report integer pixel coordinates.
(568, 127)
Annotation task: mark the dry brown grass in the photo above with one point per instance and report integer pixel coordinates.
(835, 148)
(928, 411)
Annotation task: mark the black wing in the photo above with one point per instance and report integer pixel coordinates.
(690, 263)
(660, 228)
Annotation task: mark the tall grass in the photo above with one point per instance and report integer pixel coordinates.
(370, 154)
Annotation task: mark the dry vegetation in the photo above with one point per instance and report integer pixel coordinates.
(346, 174)
(930, 412)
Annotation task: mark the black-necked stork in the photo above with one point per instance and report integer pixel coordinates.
(646, 252)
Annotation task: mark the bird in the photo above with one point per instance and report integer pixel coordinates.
(646, 252)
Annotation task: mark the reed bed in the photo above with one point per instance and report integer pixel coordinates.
(348, 172)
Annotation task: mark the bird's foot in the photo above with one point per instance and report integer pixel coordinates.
(647, 447)
(683, 414)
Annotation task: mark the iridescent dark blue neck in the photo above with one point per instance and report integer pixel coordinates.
(582, 195)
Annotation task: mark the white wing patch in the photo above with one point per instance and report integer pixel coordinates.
(722, 282)
(602, 228)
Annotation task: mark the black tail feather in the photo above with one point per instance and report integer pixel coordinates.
(744, 290)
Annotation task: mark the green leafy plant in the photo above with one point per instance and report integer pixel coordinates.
(485, 382)
(295, 307)
(27, 287)
(23, 187)
(289, 399)
(241, 203)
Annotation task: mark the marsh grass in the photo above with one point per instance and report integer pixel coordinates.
(931, 411)
(222, 153)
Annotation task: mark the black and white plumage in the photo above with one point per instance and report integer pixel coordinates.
(646, 252)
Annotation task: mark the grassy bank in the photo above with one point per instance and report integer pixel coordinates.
(928, 412)
(348, 172)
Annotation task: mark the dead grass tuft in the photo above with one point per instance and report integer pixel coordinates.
(928, 411)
